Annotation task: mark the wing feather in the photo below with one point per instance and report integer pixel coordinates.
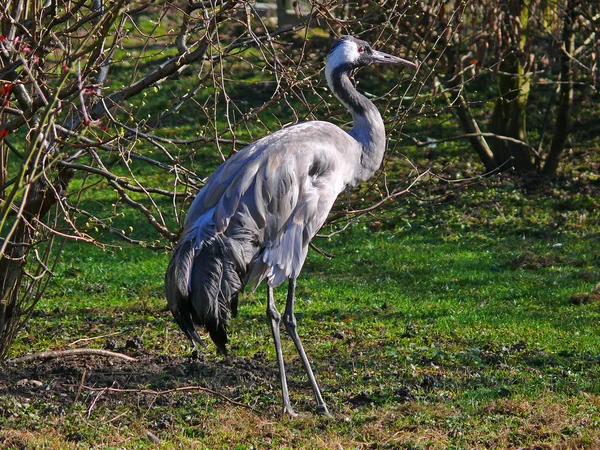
(279, 194)
(230, 200)
(286, 250)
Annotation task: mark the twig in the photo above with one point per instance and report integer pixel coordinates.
(160, 227)
(321, 252)
(71, 352)
(92, 338)
(471, 135)
(117, 416)
(171, 391)
(80, 385)
(114, 178)
(100, 394)
(333, 233)
(391, 196)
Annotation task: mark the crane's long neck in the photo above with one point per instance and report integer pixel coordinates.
(368, 129)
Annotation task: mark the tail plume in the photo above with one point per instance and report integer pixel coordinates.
(200, 283)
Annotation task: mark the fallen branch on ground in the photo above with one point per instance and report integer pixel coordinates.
(71, 352)
(171, 391)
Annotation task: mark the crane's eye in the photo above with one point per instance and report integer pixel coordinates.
(361, 49)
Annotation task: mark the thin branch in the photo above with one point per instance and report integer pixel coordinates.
(113, 178)
(53, 354)
(170, 67)
(472, 135)
(93, 338)
(394, 194)
(80, 385)
(117, 232)
(161, 228)
(173, 391)
(321, 252)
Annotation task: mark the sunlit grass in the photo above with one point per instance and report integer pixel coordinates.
(451, 327)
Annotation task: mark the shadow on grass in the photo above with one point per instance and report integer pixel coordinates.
(151, 379)
(443, 362)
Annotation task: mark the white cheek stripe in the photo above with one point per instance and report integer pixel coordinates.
(346, 52)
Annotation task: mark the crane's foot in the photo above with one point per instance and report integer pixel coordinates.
(288, 411)
(323, 411)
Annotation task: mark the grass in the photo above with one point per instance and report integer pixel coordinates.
(445, 332)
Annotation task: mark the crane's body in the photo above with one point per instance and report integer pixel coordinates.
(256, 215)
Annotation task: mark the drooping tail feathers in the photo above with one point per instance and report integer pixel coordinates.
(202, 286)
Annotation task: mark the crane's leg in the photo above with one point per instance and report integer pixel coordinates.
(274, 320)
(289, 319)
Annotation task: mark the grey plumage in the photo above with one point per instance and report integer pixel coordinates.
(257, 213)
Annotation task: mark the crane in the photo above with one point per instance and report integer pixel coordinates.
(254, 218)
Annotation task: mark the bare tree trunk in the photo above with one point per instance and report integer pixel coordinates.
(510, 113)
(14, 312)
(456, 98)
(563, 116)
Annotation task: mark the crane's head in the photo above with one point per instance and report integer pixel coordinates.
(349, 53)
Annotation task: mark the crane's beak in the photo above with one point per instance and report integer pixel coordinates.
(384, 58)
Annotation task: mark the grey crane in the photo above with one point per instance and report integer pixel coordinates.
(256, 215)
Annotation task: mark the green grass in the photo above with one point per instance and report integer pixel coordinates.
(441, 333)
